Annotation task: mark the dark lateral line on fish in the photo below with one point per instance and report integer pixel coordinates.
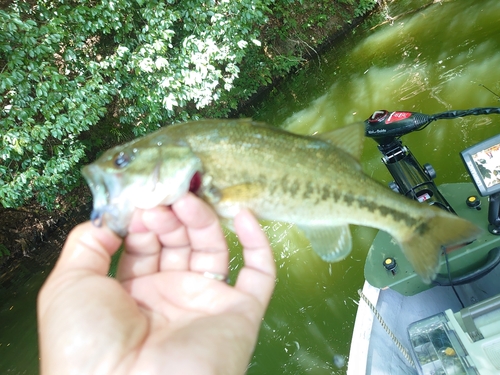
(295, 187)
(397, 215)
(325, 192)
(383, 210)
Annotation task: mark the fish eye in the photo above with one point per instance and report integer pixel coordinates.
(122, 160)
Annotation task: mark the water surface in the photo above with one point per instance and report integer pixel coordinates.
(430, 61)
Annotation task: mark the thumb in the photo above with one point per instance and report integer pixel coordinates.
(88, 248)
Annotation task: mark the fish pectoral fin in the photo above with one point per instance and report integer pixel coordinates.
(349, 138)
(330, 243)
(241, 193)
(234, 198)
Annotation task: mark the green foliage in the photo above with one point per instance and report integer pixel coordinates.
(363, 7)
(64, 63)
(297, 26)
(4, 251)
(49, 97)
(77, 77)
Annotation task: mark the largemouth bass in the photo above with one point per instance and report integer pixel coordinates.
(314, 182)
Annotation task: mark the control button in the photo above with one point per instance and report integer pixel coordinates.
(473, 202)
(390, 265)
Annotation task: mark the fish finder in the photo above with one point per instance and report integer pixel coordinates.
(483, 164)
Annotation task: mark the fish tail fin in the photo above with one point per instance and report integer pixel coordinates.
(424, 247)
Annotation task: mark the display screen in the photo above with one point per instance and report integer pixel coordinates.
(483, 164)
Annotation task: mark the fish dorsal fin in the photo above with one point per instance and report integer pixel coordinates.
(330, 243)
(349, 138)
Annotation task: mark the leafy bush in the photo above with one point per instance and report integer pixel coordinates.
(65, 63)
(364, 6)
(78, 76)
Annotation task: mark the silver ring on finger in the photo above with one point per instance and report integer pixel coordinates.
(215, 276)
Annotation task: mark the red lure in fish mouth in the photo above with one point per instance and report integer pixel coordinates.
(195, 183)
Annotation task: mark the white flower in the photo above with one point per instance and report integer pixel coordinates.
(146, 65)
(161, 62)
(120, 51)
(169, 102)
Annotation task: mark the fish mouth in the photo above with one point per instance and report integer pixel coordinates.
(106, 210)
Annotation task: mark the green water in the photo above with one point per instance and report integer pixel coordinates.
(429, 61)
(18, 335)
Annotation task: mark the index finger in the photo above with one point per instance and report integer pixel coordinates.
(209, 248)
(257, 277)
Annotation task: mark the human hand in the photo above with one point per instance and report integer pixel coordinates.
(161, 314)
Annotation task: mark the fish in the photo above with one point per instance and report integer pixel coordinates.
(314, 182)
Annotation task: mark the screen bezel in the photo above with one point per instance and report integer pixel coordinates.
(471, 165)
